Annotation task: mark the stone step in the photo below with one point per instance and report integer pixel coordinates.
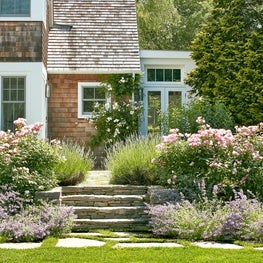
(84, 225)
(104, 190)
(103, 200)
(110, 212)
(114, 207)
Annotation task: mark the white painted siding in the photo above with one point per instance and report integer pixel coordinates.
(180, 59)
(164, 60)
(36, 102)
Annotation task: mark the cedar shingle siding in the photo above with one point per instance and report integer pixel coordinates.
(21, 41)
(63, 119)
(97, 36)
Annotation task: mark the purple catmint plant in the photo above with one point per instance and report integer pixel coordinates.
(240, 218)
(32, 225)
(20, 220)
(11, 202)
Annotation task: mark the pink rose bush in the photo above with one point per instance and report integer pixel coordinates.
(27, 162)
(231, 161)
(27, 166)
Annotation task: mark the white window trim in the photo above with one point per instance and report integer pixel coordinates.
(80, 97)
(163, 66)
(13, 75)
(37, 13)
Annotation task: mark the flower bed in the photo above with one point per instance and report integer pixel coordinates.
(238, 219)
(212, 158)
(26, 167)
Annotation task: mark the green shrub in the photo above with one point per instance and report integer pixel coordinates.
(76, 165)
(118, 118)
(130, 162)
(27, 162)
(184, 118)
(114, 122)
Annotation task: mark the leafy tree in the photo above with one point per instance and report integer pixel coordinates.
(170, 24)
(228, 52)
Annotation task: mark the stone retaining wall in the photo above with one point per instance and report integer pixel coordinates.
(53, 195)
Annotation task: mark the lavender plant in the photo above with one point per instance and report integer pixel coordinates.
(181, 220)
(238, 219)
(21, 221)
(10, 202)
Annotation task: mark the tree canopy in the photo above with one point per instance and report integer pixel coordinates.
(170, 24)
(229, 56)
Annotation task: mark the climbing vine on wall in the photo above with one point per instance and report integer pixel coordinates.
(119, 117)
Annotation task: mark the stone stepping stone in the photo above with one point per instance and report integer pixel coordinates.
(86, 234)
(26, 245)
(79, 242)
(217, 245)
(117, 238)
(123, 234)
(146, 245)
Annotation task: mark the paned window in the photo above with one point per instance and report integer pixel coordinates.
(163, 75)
(13, 101)
(90, 94)
(14, 8)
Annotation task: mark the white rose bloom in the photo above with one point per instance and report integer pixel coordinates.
(107, 106)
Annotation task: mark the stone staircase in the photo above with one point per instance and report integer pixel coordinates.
(113, 207)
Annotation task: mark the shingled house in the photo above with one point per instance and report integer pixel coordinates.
(89, 39)
(23, 61)
(54, 53)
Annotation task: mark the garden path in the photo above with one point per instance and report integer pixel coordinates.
(122, 239)
(97, 177)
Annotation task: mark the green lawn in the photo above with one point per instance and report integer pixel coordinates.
(106, 254)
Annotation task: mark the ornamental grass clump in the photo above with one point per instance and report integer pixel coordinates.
(130, 161)
(214, 220)
(232, 161)
(26, 161)
(78, 162)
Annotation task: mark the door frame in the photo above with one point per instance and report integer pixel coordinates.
(164, 90)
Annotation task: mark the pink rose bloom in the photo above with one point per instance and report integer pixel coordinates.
(200, 120)
(170, 138)
(161, 146)
(20, 122)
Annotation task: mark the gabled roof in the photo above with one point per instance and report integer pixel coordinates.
(94, 36)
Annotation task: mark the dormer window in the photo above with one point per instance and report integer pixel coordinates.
(15, 8)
